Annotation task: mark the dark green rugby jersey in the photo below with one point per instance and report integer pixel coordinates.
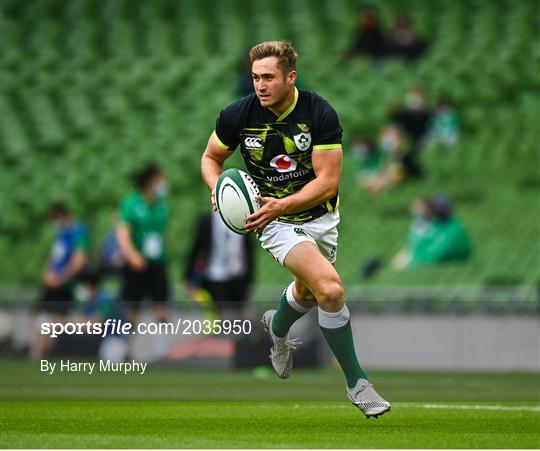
(277, 150)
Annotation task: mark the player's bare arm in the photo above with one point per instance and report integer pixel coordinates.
(212, 164)
(327, 166)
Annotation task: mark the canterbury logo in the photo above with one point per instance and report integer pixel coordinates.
(253, 143)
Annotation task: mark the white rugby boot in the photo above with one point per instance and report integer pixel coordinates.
(367, 400)
(280, 352)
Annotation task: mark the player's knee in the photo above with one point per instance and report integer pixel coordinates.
(330, 294)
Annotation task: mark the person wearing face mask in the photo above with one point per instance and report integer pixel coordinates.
(67, 258)
(444, 124)
(370, 39)
(368, 160)
(221, 263)
(394, 150)
(403, 40)
(414, 117)
(140, 233)
(435, 236)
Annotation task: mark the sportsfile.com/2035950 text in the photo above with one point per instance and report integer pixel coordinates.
(121, 327)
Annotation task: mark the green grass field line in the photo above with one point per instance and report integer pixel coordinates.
(169, 407)
(22, 380)
(259, 425)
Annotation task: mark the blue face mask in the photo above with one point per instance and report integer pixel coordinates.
(161, 189)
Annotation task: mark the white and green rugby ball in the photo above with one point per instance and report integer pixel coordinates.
(236, 197)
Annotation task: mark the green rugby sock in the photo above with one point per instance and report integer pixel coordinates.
(340, 340)
(286, 315)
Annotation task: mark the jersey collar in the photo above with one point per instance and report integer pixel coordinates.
(289, 110)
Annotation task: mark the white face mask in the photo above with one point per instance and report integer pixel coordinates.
(83, 294)
(390, 142)
(415, 101)
(362, 149)
(161, 189)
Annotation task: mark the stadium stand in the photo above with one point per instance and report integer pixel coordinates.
(89, 90)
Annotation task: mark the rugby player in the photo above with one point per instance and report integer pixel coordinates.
(290, 140)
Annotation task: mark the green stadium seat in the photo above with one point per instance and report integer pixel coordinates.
(98, 88)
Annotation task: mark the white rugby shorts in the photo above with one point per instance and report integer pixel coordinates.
(279, 238)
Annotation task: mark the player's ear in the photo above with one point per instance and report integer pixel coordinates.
(291, 77)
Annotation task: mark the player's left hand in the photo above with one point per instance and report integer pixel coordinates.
(270, 210)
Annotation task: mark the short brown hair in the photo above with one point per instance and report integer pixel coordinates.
(282, 50)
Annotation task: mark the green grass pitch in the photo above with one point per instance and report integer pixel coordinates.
(173, 408)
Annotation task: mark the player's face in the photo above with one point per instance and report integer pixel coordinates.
(271, 84)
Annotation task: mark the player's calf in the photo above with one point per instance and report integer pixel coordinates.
(336, 328)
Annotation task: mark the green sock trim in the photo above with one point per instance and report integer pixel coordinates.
(284, 318)
(342, 345)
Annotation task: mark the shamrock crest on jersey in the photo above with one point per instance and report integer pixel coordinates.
(302, 141)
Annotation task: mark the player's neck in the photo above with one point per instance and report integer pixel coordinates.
(278, 110)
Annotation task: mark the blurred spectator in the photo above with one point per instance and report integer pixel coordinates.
(67, 258)
(435, 236)
(96, 303)
(140, 233)
(414, 117)
(97, 306)
(367, 158)
(399, 162)
(403, 40)
(110, 257)
(221, 263)
(369, 40)
(444, 124)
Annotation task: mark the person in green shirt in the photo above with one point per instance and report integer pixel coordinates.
(140, 233)
(368, 160)
(395, 161)
(435, 236)
(444, 124)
